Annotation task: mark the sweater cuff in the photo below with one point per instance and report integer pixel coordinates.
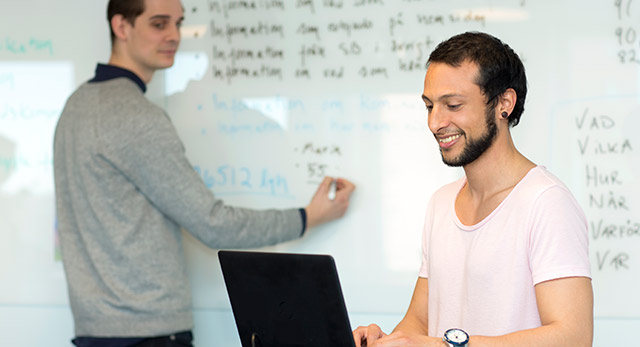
(303, 216)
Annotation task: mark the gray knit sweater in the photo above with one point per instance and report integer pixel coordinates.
(124, 189)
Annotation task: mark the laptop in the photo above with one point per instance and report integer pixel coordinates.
(286, 300)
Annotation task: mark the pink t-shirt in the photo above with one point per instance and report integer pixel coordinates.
(482, 277)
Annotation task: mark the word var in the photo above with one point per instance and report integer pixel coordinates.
(616, 261)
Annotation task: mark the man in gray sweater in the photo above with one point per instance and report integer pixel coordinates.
(124, 190)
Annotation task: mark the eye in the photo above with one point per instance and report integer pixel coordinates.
(160, 24)
(429, 108)
(454, 107)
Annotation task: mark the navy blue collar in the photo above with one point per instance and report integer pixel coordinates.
(108, 72)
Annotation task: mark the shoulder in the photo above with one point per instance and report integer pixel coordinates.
(125, 98)
(118, 100)
(124, 117)
(450, 189)
(125, 110)
(539, 184)
(446, 195)
(550, 199)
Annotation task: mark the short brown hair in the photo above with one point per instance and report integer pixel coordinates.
(129, 9)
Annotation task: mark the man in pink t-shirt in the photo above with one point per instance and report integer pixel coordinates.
(505, 248)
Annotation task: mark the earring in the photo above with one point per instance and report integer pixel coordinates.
(505, 114)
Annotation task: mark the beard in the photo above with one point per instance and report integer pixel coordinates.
(475, 147)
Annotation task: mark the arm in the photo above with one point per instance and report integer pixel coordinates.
(416, 319)
(151, 156)
(412, 328)
(566, 314)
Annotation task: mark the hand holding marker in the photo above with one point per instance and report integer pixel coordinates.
(332, 189)
(330, 201)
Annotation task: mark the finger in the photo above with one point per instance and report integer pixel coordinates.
(373, 333)
(343, 189)
(358, 336)
(323, 187)
(345, 185)
(358, 341)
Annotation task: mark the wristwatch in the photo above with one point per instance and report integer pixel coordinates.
(456, 338)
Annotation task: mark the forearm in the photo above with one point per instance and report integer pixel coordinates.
(232, 227)
(411, 325)
(416, 320)
(408, 333)
(546, 336)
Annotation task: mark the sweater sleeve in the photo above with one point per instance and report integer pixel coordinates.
(148, 152)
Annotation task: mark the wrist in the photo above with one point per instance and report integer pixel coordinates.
(311, 220)
(456, 337)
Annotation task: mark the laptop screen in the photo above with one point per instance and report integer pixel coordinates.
(286, 300)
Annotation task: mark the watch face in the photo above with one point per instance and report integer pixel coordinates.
(457, 336)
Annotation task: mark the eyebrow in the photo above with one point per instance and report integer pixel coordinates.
(443, 97)
(165, 17)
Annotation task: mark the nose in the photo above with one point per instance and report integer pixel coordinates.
(436, 119)
(173, 33)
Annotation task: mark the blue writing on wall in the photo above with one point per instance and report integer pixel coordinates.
(23, 47)
(232, 180)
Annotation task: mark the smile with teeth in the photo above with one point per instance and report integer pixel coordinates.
(449, 138)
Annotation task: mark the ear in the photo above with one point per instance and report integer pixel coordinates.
(507, 102)
(120, 27)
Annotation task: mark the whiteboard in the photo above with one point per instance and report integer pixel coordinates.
(42, 60)
(288, 91)
(270, 95)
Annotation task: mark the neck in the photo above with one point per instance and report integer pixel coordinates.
(500, 168)
(124, 62)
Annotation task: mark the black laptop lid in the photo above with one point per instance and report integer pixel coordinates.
(285, 300)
